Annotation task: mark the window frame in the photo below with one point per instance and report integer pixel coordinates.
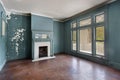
(93, 27)
(98, 14)
(74, 22)
(89, 17)
(100, 24)
(97, 55)
(82, 28)
(73, 29)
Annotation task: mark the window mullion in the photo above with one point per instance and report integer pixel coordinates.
(93, 37)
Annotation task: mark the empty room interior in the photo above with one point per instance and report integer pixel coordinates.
(59, 39)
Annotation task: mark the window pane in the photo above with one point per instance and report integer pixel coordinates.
(100, 18)
(86, 40)
(74, 25)
(85, 22)
(74, 40)
(99, 33)
(74, 45)
(74, 36)
(100, 48)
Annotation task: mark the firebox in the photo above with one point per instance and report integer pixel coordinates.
(43, 51)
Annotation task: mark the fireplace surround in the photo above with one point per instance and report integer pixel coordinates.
(42, 46)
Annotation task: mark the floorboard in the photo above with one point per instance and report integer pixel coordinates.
(63, 67)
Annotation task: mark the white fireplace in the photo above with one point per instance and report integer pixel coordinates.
(36, 54)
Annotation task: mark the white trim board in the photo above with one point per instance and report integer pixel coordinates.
(2, 65)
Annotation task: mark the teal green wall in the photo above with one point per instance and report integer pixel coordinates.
(3, 47)
(41, 23)
(32, 23)
(114, 33)
(112, 41)
(67, 37)
(24, 49)
(58, 37)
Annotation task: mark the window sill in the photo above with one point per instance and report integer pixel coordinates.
(84, 53)
(100, 56)
(90, 55)
(74, 51)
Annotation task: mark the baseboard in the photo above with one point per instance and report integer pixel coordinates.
(59, 53)
(1, 66)
(114, 65)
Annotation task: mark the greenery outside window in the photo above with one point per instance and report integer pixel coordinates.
(73, 40)
(100, 40)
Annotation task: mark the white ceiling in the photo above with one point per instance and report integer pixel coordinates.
(57, 9)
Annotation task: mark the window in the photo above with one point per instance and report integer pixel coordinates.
(89, 35)
(3, 27)
(73, 34)
(73, 25)
(85, 22)
(86, 40)
(99, 32)
(99, 18)
(85, 36)
(100, 40)
(73, 40)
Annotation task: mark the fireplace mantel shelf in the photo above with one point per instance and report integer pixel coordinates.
(43, 58)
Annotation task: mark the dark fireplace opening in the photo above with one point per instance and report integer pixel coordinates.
(43, 51)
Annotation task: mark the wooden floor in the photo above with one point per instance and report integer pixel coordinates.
(63, 67)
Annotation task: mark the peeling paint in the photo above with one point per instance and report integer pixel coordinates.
(18, 37)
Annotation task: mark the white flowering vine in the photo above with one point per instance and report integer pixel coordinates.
(18, 37)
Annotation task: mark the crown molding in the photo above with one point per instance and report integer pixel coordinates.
(41, 15)
(90, 9)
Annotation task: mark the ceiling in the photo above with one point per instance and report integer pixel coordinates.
(57, 9)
